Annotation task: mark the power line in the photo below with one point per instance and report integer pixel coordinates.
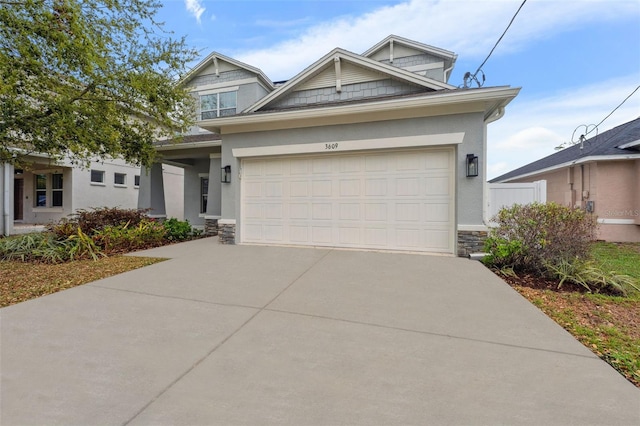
(614, 110)
(468, 75)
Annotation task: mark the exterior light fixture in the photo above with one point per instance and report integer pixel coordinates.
(472, 165)
(225, 174)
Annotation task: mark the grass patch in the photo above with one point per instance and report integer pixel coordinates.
(608, 325)
(21, 281)
(622, 258)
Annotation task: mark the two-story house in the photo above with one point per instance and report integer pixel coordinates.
(373, 151)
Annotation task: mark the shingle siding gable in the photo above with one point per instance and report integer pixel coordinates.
(358, 91)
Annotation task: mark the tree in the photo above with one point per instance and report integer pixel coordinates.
(88, 79)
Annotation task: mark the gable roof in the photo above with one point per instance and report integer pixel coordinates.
(448, 56)
(341, 55)
(213, 57)
(622, 141)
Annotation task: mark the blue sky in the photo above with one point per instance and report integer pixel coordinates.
(574, 60)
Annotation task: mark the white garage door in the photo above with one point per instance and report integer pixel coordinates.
(396, 200)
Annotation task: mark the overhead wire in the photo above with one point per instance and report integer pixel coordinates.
(614, 110)
(475, 74)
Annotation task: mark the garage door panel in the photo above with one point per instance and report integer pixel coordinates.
(437, 186)
(322, 166)
(321, 234)
(384, 200)
(253, 189)
(376, 187)
(376, 237)
(349, 236)
(375, 212)
(321, 211)
(350, 211)
(273, 189)
(349, 187)
(407, 187)
(299, 188)
(298, 211)
(299, 234)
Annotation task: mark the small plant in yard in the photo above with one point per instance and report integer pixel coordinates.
(529, 236)
(179, 230)
(551, 241)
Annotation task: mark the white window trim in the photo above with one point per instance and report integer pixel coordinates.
(49, 190)
(95, 183)
(218, 109)
(220, 90)
(119, 185)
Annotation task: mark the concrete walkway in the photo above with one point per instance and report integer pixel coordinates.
(248, 335)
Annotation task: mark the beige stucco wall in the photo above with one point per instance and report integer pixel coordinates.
(613, 186)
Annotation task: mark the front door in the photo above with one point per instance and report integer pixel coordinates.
(18, 196)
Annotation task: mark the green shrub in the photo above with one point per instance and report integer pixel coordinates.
(594, 278)
(95, 219)
(125, 238)
(529, 237)
(178, 230)
(46, 247)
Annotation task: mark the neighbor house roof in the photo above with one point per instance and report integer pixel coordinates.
(622, 141)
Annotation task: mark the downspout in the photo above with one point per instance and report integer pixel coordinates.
(6, 194)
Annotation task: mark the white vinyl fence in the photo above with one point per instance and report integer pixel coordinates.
(507, 194)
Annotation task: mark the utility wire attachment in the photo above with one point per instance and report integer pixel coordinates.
(468, 77)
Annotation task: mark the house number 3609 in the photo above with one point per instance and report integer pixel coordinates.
(331, 146)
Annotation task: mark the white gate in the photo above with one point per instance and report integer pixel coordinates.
(507, 194)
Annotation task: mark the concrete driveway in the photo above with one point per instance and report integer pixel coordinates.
(248, 335)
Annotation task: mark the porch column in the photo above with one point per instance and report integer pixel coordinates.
(6, 204)
(214, 196)
(151, 191)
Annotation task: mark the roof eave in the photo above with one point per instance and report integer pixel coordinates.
(589, 159)
(479, 100)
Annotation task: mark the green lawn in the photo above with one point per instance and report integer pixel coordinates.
(608, 325)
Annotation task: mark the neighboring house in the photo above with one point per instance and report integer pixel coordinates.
(357, 151)
(48, 191)
(601, 175)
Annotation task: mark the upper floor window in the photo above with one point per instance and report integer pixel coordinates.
(218, 105)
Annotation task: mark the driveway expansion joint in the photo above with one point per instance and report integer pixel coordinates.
(219, 344)
(431, 333)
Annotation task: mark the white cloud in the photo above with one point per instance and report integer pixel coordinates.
(469, 28)
(532, 128)
(195, 8)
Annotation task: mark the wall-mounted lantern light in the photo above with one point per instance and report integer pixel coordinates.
(225, 174)
(472, 165)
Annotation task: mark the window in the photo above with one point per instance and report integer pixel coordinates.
(218, 105)
(136, 180)
(48, 190)
(97, 176)
(119, 179)
(41, 190)
(204, 194)
(56, 190)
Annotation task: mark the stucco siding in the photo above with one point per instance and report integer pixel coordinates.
(192, 194)
(469, 191)
(612, 186)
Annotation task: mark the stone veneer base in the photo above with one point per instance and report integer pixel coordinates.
(227, 233)
(471, 242)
